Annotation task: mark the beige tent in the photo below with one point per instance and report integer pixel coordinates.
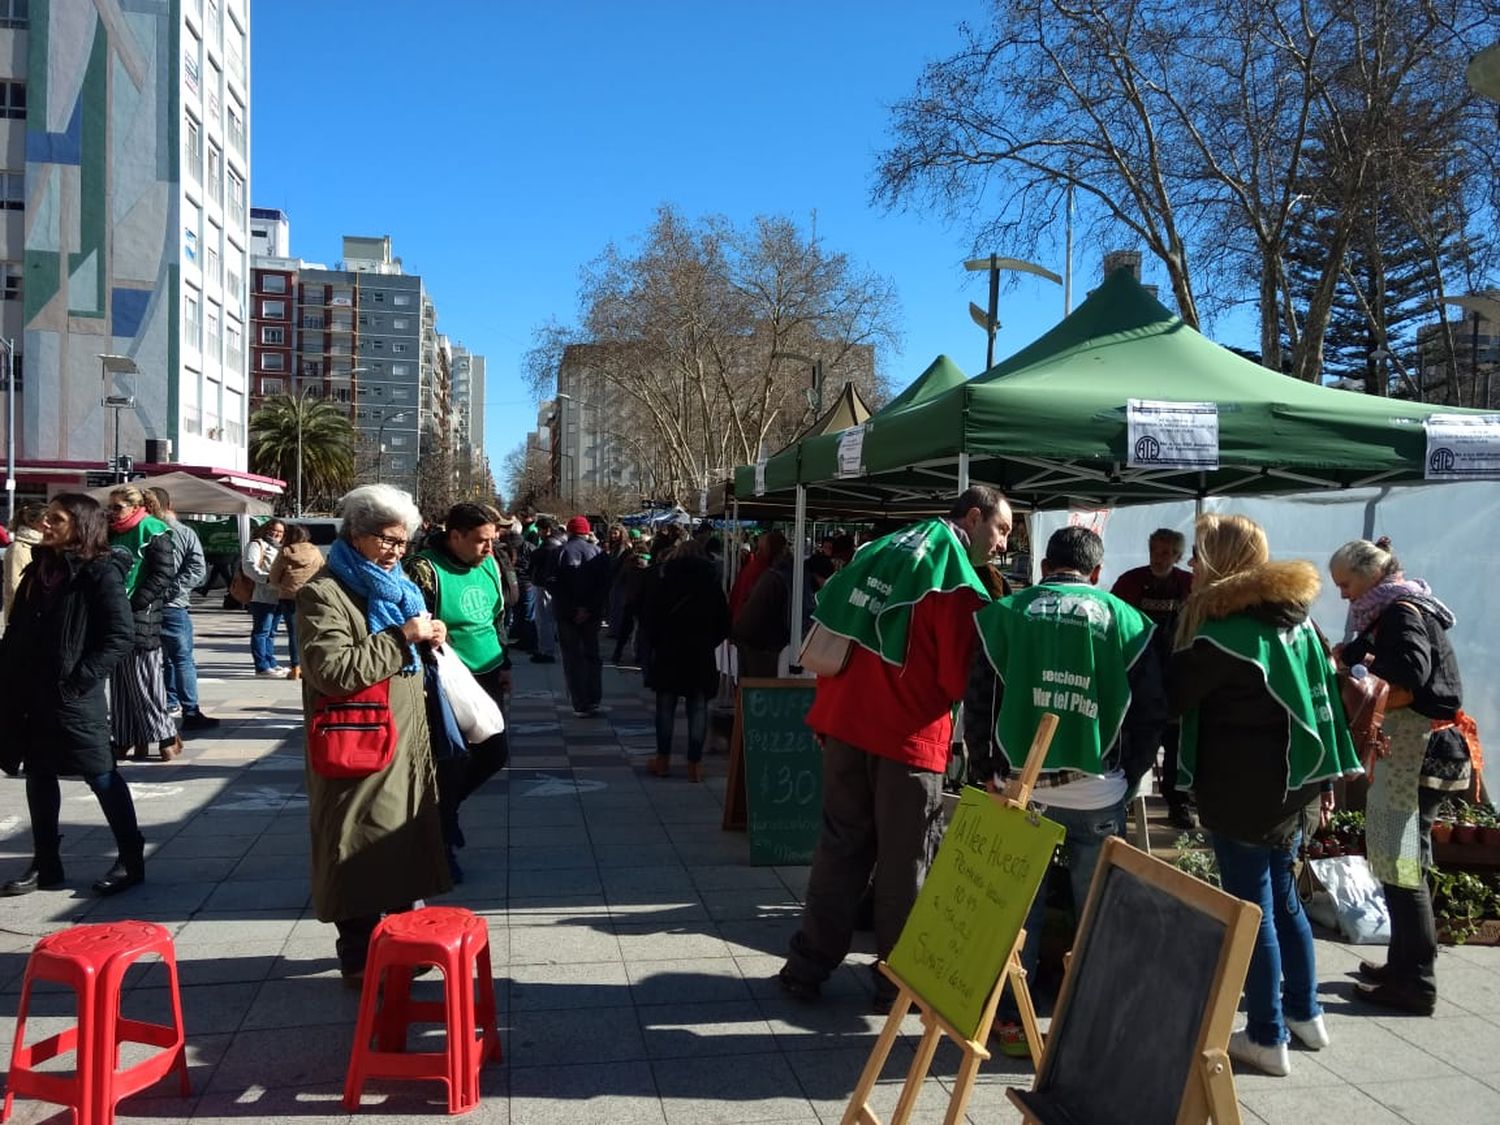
(197, 496)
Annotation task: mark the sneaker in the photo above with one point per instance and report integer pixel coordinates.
(271, 674)
(197, 720)
(1181, 816)
(1275, 1061)
(1312, 1034)
(174, 712)
(1011, 1039)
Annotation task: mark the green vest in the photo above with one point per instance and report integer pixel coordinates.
(135, 541)
(1300, 677)
(468, 600)
(1066, 648)
(870, 600)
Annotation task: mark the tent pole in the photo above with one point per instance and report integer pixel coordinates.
(799, 567)
(963, 473)
(732, 550)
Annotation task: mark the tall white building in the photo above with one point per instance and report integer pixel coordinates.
(134, 122)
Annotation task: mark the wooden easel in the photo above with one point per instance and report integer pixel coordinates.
(976, 1049)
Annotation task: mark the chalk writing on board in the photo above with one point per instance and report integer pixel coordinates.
(973, 905)
(783, 773)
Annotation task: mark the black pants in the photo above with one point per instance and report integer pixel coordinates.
(1171, 737)
(624, 628)
(582, 666)
(220, 569)
(459, 778)
(880, 817)
(44, 802)
(1413, 950)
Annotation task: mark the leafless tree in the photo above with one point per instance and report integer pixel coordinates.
(528, 478)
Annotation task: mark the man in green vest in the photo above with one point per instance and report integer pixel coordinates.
(1066, 647)
(461, 584)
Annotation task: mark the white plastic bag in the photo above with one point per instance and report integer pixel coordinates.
(476, 712)
(1350, 900)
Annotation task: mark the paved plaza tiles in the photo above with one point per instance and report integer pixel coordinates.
(633, 946)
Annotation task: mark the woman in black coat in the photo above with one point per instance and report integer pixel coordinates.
(685, 616)
(71, 625)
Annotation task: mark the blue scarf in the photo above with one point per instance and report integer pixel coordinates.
(391, 598)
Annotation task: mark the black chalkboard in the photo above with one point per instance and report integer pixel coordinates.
(1125, 1039)
(783, 769)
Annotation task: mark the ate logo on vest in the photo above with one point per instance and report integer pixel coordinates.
(473, 601)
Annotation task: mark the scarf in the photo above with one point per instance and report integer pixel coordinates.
(1364, 609)
(125, 523)
(391, 598)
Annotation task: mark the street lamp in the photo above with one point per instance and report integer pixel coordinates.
(815, 393)
(380, 440)
(116, 365)
(990, 320)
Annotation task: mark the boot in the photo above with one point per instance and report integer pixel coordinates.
(295, 673)
(43, 873)
(128, 871)
(660, 766)
(170, 747)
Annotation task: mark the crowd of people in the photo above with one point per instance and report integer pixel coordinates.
(1217, 667)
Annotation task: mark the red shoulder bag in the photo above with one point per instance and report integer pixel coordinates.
(353, 735)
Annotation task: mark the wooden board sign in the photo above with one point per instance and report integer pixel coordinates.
(1140, 1032)
(782, 770)
(973, 904)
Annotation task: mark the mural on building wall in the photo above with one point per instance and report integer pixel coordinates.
(101, 222)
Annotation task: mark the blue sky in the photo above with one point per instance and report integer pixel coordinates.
(502, 145)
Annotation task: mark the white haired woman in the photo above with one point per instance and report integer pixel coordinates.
(377, 842)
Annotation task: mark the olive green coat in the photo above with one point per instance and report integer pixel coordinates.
(376, 841)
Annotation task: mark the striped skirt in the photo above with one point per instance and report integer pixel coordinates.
(138, 701)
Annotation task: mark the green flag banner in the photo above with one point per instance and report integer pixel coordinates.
(219, 537)
(1302, 680)
(870, 600)
(960, 932)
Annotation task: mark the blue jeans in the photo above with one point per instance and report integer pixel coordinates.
(1283, 977)
(264, 617)
(178, 669)
(289, 615)
(1087, 829)
(666, 721)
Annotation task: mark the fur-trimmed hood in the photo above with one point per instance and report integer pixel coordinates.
(1279, 591)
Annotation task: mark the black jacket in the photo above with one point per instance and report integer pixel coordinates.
(686, 616)
(1241, 778)
(580, 579)
(55, 658)
(153, 585)
(1408, 646)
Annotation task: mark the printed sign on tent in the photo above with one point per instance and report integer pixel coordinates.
(852, 452)
(760, 478)
(1172, 435)
(1463, 447)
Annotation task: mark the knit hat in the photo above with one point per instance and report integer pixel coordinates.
(579, 525)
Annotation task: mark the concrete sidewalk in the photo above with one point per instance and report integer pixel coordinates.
(633, 945)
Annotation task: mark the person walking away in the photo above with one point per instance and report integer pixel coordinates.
(1158, 590)
(1067, 648)
(72, 625)
(179, 667)
(687, 618)
(1399, 631)
(544, 562)
(1263, 737)
(764, 626)
(27, 533)
(265, 603)
(138, 712)
(770, 549)
(296, 562)
(580, 587)
(376, 840)
(885, 723)
(623, 606)
(522, 629)
(462, 587)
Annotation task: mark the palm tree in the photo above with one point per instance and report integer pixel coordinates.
(327, 441)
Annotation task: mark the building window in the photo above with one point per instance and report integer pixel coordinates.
(192, 148)
(11, 272)
(13, 13)
(273, 335)
(399, 369)
(273, 310)
(215, 173)
(211, 323)
(235, 116)
(233, 345)
(237, 198)
(400, 322)
(272, 361)
(234, 49)
(272, 283)
(232, 283)
(211, 262)
(401, 299)
(12, 188)
(191, 325)
(272, 386)
(398, 347)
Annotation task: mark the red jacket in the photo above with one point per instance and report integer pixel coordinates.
(904, 713)
(755, 566)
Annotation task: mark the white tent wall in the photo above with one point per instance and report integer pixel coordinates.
(1438, 532)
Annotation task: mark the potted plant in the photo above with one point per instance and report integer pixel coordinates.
(1487, 823)
(1442, 831)
(1460, 902)
(1466, 830)
(1196, 858)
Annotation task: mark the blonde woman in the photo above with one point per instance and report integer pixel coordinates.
(1262, 738)
(138, 714)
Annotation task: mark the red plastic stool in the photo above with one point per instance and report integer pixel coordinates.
(457, 943)
(93, 960)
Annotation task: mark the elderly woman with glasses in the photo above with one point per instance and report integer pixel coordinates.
(138, 714)
(377, 844)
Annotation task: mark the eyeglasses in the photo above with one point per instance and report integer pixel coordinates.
(390, 543)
